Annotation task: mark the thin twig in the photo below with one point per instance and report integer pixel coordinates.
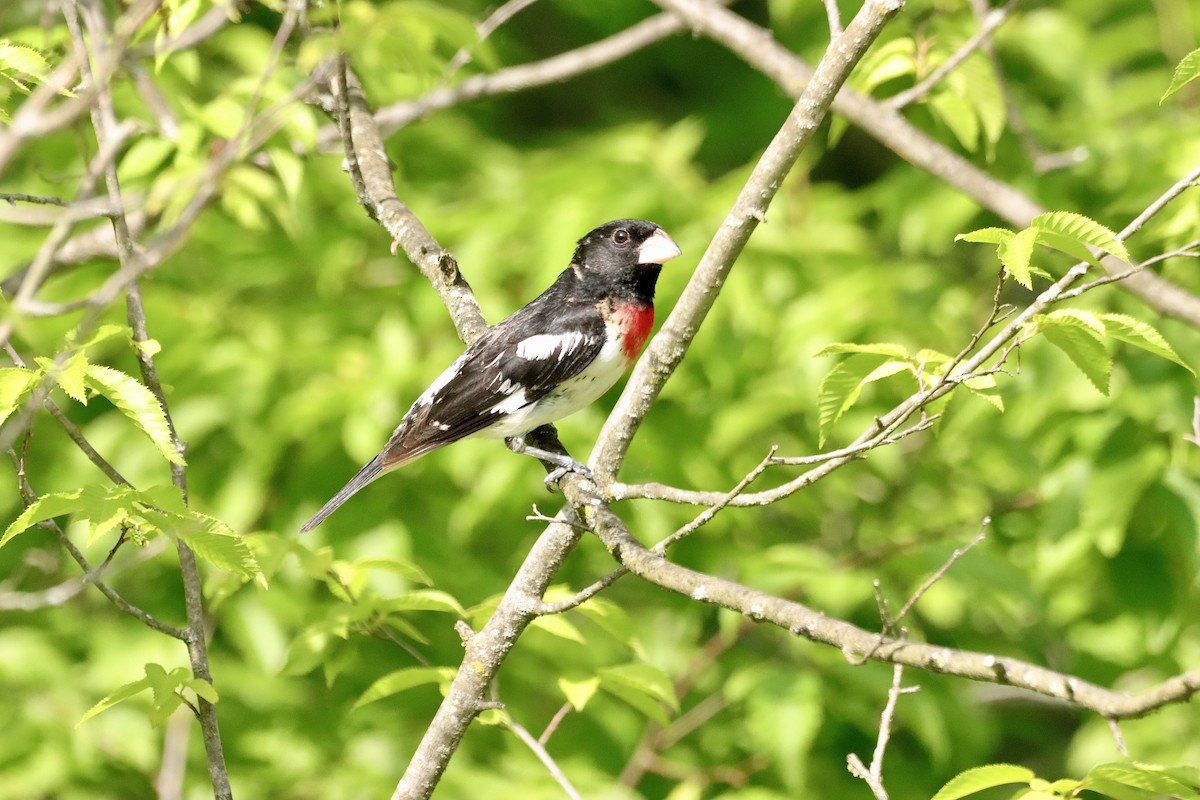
(14, 198)
(658, 491)
(940, 572)
(585, 594)
(554, 722)
(834, 14)
(874, 775)
(1114, 727)
(994, 19)
(1189, 250)
(544, 756)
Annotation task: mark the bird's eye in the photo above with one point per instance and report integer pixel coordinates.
(621, 236)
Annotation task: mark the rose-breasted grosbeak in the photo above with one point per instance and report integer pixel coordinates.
(545, 362)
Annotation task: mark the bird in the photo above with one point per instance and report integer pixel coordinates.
(546, 361)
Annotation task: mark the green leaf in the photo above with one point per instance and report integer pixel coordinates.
(122, 694)
(986, 236)
(977, 779)
(404, 569)
(70, 376)
(402, 680)
(1085, 351)
(1141, 334)
(1117, 791)
(424, 600)
(643, 678)
(1016, 253)
(144, 157)
(560, 626)
(202, 688)
(844, 383)
(1187, 71)
(578, 693)
(137, 403)
(886, 62)
(1146, 777)
(1081, 229)
(218, 544)
(956, 113)
(878, 348)
(25, 60)
(48, 506)
(15, 384)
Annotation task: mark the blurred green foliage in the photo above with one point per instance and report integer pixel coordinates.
(292, 342)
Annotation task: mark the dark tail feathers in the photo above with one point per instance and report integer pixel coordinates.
(365, 475)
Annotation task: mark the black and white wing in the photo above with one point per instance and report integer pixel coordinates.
(505, 371)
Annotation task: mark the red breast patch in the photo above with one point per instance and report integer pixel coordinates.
(635, 322)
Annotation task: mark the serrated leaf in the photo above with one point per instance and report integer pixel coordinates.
(986, 236)
(101, 334)
(48, 506)
(121, 694)
(402, 680)
(877, 348)
(1079, 229)
(1186, 71)
(23, 59)
(1141, 334)
(1117, 791)
(1085, 351)
(560, 626)
(1074, 317)
(424, 600)
(843, 385)
(977, 779)
(1016, 253)
(641, 677)
(15, 384)
(137, 403)
(1150, 779)
(218, 544)
(578, 693)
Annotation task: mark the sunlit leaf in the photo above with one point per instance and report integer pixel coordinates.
(979, 778)
(136, 402)
(1079, 229)
(1186, 71)
(402, 680)
(15, 385)
(578, 693)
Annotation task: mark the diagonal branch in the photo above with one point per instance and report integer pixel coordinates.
(756, 47)
(670, 345)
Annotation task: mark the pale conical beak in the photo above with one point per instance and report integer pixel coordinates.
(658, 249)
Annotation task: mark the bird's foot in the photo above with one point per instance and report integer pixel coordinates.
(563, 463)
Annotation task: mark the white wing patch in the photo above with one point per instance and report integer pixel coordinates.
(514, 402)
(543, 346)
(441, 380)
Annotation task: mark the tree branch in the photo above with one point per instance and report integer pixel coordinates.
(103, 122)
(856, 642)
(670, 345)
(993, 20)
(756, 47)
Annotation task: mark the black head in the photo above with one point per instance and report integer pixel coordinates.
(620, 246)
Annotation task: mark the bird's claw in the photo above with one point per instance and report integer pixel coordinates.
(556, 474)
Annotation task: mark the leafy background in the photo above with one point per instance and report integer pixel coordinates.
(292, 342)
